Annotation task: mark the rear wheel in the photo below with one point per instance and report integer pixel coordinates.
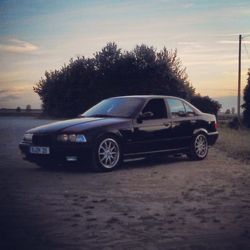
(199, 147)
(107, 154)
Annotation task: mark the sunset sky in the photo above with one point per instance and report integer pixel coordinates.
(39, 35)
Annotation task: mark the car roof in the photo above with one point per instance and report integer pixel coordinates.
(145, 96)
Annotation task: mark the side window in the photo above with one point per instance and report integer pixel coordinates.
(177, 108)
(189, 110)
(157, 107)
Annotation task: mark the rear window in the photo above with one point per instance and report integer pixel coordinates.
(176, 107)
(189, 110)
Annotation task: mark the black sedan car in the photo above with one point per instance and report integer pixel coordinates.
(123, 127)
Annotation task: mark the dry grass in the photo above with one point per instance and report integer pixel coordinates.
(236, 143)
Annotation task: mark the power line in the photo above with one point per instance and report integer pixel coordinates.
(246, 50)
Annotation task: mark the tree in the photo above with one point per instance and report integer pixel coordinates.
(18, 109)
(112, 72)
(246, 104)
(28, 108)
(206, 104)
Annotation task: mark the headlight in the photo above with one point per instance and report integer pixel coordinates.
(63, 138)
(81, 138)
(27, 137)
(71, 138)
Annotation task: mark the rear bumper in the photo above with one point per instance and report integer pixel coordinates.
(58, 153)
(212, 137)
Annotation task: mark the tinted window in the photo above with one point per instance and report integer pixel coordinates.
(176, 107)
(157, 107)
(116, 107)
(189, 110)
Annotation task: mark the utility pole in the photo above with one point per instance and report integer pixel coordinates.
(239, 78)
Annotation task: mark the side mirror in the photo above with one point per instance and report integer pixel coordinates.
(145, 116)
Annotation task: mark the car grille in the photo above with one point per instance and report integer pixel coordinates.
(42, 140)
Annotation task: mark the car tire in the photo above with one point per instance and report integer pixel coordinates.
(107, 154)
(199, 147)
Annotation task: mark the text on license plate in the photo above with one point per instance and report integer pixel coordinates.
(39, 150)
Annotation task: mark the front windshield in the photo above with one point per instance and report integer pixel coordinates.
(115, 107)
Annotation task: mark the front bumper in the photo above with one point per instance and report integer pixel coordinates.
(58, 153)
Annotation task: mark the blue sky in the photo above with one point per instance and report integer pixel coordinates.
(41, 35)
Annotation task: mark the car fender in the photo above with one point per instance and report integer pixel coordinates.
(200, 130)
(113, 133)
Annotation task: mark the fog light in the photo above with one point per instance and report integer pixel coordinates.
(28, 137)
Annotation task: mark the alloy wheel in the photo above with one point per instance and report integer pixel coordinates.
(201, 146)
(108, 153)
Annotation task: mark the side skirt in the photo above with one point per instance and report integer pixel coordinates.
(130, 155)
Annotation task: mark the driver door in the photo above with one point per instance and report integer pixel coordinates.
(151, 133)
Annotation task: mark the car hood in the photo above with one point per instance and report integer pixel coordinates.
(75, 125)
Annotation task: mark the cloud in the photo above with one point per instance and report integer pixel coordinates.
(231, 42)
(18, 96)
(215, 62)
(3, 91)
(8, 98)
(14, 91)
(17, 46)
(187, 43)
(8, 95)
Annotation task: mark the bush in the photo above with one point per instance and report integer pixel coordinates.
(234, 123)
(206, 104)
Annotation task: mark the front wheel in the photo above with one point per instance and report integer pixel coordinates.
(198, 148)
(107, 154)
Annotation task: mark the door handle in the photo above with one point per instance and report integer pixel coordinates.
(193, 121)
(167, 124)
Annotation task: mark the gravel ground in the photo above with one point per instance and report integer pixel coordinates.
(168, 203)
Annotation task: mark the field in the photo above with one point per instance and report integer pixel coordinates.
(167, 203)
(236, 143)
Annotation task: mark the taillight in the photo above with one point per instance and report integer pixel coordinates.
(216, 125)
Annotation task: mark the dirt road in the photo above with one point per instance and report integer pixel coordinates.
(159, 204)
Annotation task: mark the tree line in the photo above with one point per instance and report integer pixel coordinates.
(246, 104)
(83, 82)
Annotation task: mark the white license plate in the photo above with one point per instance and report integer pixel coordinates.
(39, 150)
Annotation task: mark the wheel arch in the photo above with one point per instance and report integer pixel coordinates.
(200, 130)
(113, 134)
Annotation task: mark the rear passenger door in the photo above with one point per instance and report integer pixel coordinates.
(183, 122)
